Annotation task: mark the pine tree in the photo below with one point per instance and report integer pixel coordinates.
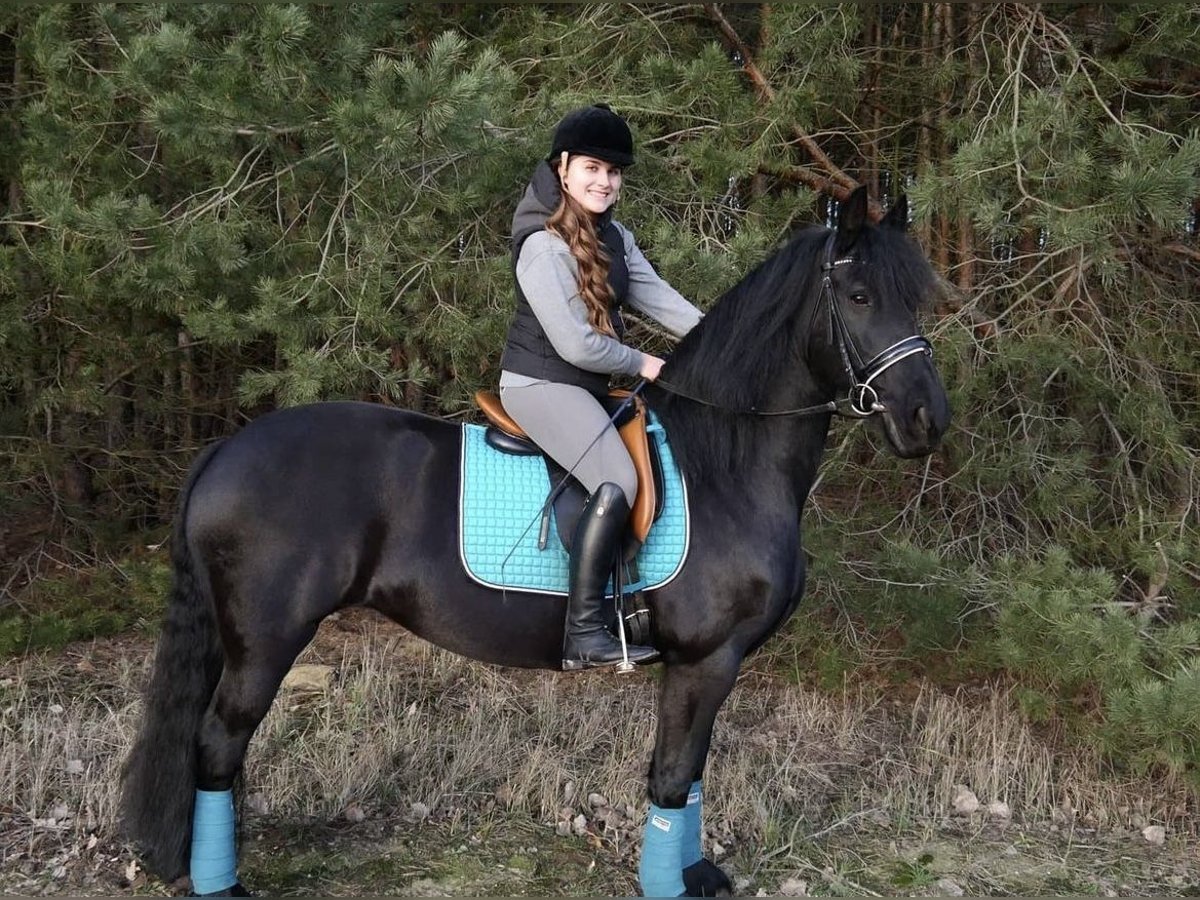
(210, 210)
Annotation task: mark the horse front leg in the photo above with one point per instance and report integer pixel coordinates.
(673, 863)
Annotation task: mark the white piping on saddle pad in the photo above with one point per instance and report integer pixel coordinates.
(462, 558)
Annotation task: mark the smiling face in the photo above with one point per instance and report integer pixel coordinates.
(592, 183)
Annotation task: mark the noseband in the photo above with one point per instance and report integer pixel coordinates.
(862, 400)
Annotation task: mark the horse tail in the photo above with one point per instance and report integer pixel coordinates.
(158, 782)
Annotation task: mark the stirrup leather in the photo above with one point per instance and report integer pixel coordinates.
(633, 434)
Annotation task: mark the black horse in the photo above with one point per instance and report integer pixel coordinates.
(317, 508)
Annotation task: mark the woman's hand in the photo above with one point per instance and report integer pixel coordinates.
(651, 366)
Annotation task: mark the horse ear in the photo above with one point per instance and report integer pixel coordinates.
(897, 216)
(852, 218)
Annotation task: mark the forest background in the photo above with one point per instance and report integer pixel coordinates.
(211, 210)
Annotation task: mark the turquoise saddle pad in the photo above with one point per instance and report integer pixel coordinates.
(500, 504)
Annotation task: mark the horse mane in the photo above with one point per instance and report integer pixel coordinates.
(754, 334)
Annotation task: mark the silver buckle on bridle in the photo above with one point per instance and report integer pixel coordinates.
(863, 399)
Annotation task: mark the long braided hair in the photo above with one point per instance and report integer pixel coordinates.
(577, 227)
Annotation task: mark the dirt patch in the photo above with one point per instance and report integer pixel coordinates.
(507, 855)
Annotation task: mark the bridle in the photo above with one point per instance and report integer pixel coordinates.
(861, 400)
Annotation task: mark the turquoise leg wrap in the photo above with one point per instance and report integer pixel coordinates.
(214, 858)
(661, 872)
(692, 851)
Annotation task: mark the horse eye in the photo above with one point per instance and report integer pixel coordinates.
(860, 299)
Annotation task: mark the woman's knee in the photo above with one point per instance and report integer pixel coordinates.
(625, 477)
(611, 464)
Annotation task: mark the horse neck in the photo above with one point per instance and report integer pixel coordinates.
(773, 451)
(790, 447)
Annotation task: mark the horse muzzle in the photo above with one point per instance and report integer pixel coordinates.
(915, 422)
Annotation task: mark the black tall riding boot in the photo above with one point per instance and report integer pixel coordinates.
(588, 643)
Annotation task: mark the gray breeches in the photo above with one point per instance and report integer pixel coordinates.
(563, 419)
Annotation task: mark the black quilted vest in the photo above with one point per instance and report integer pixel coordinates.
(527, 350)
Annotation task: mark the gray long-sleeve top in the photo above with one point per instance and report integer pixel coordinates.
(547, 273)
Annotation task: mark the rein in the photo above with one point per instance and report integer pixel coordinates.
(861, 400)
(830, 406)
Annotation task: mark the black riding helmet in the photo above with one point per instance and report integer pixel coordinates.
(594, 131)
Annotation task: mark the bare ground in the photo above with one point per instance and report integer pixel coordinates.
(392, 768)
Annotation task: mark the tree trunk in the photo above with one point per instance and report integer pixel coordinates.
(75, 478)
(966, 232)
(924, 132)
(188, 401)
(937, 51)
(12, 74)
(874, 34)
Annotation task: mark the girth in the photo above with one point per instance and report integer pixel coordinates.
(507, 436)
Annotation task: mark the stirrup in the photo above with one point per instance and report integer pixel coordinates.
(623, 664)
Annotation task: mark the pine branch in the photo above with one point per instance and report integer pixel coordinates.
(838, 184)
(1183, 250)
(806, 177)
(765, 91)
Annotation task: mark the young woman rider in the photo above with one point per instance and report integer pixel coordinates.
(575, 266)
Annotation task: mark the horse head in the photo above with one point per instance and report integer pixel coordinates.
(863, 340)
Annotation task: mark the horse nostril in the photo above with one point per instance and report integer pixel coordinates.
(923, 421)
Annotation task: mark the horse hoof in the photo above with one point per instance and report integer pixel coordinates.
(236, 891)
(705, 879)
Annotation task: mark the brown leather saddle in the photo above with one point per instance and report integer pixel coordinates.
(507, 436)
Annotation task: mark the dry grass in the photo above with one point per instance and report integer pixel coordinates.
(64, 732)
(402, 723)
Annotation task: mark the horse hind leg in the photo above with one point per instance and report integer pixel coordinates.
(241, 701)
